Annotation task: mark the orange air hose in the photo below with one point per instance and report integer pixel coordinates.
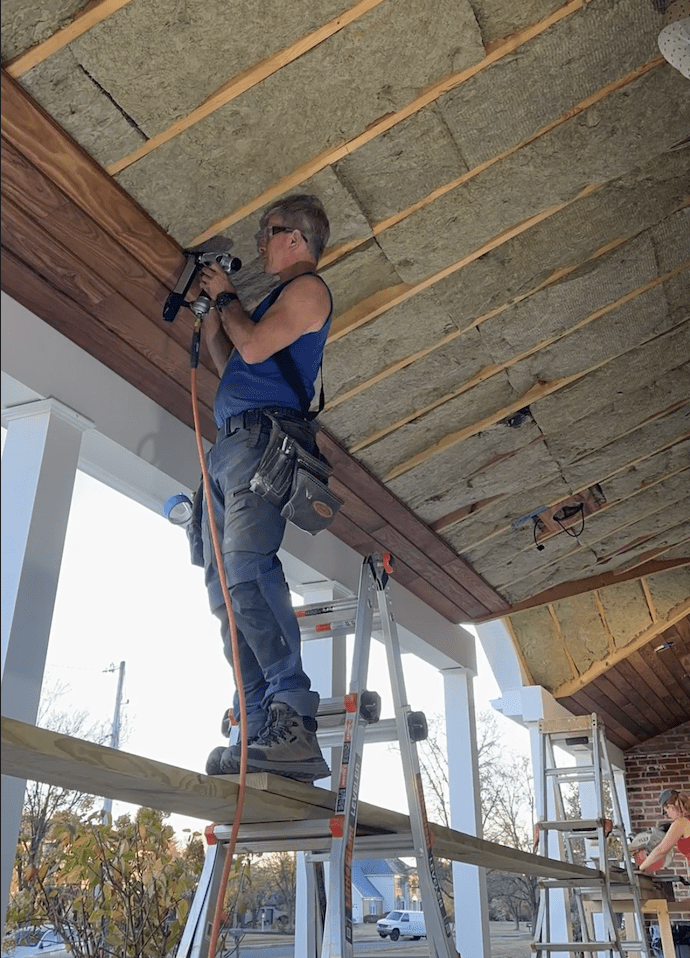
(215, 928)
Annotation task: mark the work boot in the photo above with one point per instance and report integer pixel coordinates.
(286, 746)
(222, 762)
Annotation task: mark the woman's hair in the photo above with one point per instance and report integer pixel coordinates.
(679, 800)
(305, 213)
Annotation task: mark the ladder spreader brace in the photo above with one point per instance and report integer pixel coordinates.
(334, 840)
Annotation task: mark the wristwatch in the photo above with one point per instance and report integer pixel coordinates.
(224, 299)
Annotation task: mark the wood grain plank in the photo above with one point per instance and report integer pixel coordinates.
(37, 754)
(640, 722)
(59, 266)
(632, 683)
(73, 321)
(395, 542)
(652, 681)
(674, 691)
(39, 138)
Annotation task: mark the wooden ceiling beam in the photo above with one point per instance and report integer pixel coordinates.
(598, 668)
(567, 590)
(88, 17)
(46, 146)
(534, 394)
(502, 48)
(245, 81)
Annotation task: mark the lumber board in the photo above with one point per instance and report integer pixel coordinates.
(47, 147)
(37, 754)
(69, 318)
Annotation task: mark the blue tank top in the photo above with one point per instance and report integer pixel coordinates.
(256, 385)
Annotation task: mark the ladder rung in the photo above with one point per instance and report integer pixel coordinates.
(574, 825)
(385, 730)
(596, 881)
(589, 946)
(576, 772)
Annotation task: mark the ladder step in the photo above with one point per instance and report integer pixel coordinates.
(385, 730)
(571, 773)
(596, 881)
(589, 946)
(574, 825)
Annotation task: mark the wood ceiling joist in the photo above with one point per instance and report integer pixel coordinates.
(455, 518)
(554, 277)
(533, 395)
(419, 547)
(245, 81)
(495, 369)
(590, 584)
(598, 668)
(87, 18)
(47, 147)
(501, 49)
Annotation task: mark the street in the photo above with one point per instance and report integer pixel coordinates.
(506, 942)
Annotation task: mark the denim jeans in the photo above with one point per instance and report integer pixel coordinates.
(250, 531)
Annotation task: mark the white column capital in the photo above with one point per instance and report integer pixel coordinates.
(43, 407)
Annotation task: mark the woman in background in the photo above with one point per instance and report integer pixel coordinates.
(677, 806)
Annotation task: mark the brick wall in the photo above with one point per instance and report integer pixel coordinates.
(662, 762)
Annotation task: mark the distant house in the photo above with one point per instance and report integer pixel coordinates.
(379, 886)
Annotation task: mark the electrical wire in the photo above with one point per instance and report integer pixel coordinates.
(215, 928)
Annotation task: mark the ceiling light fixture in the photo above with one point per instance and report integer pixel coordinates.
(674, 37)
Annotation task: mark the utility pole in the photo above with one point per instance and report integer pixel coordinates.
(115, 733)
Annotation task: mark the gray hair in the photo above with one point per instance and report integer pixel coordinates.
(305, 213)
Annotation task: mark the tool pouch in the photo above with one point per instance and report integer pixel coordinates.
(296, 482)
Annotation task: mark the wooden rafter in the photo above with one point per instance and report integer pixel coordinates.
(497, 51)
(87, 18)
(599, 668)
(445, 522)
(592, 583)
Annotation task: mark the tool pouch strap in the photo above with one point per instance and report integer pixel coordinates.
(296, 482)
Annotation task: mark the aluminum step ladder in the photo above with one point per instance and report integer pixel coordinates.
(585, 736)
(346, 723)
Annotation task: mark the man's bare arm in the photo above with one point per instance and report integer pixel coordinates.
(302, 307)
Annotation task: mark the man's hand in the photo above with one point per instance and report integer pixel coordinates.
(215, 280)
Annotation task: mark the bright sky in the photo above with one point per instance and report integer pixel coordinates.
(127, 592)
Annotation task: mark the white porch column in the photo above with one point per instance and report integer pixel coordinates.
(325, 663)
(469, 882)
(39, 463)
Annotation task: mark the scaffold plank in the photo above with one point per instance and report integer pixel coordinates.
(37, 754)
